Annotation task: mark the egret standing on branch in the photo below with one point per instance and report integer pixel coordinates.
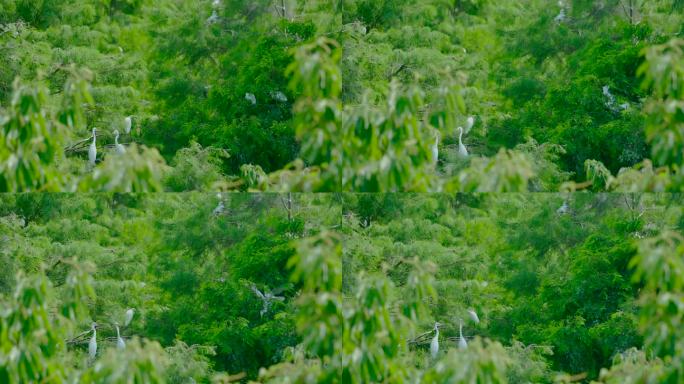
(434, 344)
(267, 298)
(92, 151)
(435, 148)
(462, 344)
(120, 343)
(473, 316)
(128, 124)
(92, 346)
(120, 149)
(461, 148)
(469, 124)
(129, 316)
(219, 208)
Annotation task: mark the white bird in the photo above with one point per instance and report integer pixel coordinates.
(92, 151)
(128, 124)
(251, 98)
(469, 124)
(129, 316)
(267, 298)
(462, 344)
(434, 344)
(120, 149)
(561, 15)
(435, 149)
(219, 208)
(279, 96)
(92, 346)
(120, 343)
(214, 18)
(461, 148)
(563, 208)
(473, 316)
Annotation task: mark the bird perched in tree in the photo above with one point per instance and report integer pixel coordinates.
(128, 124)
(120, 149)
(267, 298)
(214, 18)
(251, 98)
(461, 148)
(473, 316)
(219, 208)
(92, 345)
(462, 344)
(434, 344)
(435, 148)
(129, 316)
(120, 343)
(279, 96)
(92, 151)
(470, 121)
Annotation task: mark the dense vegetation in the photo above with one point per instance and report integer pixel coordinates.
(565, 288)
(344, 95)
(153, 155)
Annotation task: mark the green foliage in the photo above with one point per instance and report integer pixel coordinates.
(32, 137)
(138, 170)
(195, 168)
(508, 171)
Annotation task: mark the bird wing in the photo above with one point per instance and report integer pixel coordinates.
(258, 293)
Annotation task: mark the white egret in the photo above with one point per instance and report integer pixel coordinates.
(473, 316)
(219, 208)
(129, 316)
(120, 343)
(251, 98)
(462, 344)
(461, 148)
(92, 151)
(92, 346)
(561, 15)
(279, 96)
(435, 148)
(214, 18)
(128, 124)
(564, 209)
(434, 344)
(120, 149)
(469, 124)
(267, 298)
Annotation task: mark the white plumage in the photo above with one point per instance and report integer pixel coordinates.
(563, 208)
(120, 149)
(128, 124)
(92, 345)
(92, 151)
(473, 316)
(461, 148)
(120, 343)
(469, 124)
(251, 98)
(129, 316)
(434, 344)
(462, 344)
(267, 298)
(219, 208)
(435, 149)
